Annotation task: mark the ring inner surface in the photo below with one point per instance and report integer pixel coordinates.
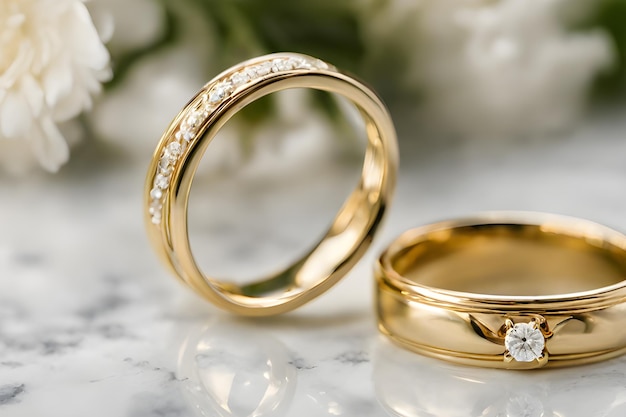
(510, 260)
(357, 218)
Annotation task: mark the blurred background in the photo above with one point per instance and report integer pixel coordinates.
(478, 70)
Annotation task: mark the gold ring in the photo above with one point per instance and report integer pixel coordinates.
(506, 290)
(184, 142)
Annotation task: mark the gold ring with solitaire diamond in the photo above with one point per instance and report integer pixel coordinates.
(511, 290)
(184, 142)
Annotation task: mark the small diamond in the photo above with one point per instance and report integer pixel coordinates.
(278, 65)
(165, 161)
(156, 193)
(292, 63)
(220, 91)
(192, 122)
(301, 64)
(173, 151)
(240, 78)
(156, 219)
(250, 72)
(165, 166)
(524, 342)
(286, 64)
(155, 208)
(264, 68)
(187, 135)
(161, 181)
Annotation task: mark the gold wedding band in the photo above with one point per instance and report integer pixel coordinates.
(506, 290)
(184, 142)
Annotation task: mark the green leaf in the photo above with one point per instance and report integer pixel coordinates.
(610, 15)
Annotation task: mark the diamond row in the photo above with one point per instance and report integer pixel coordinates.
(191, 122)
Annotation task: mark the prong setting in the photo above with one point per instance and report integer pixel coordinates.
(524, 342)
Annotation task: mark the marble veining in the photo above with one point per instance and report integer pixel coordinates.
(10, 393)
(92, 325)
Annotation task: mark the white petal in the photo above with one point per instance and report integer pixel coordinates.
(31, 90)
(86, 45)
(49, 43)
(20, 65)
(49, 145)
(15, 116)
(71, 106)
(14, 21)
(74, 102)
(57, 81)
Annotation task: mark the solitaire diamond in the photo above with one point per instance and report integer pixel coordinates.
(524, 342)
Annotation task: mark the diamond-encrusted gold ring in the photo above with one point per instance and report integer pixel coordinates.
(184, 142)
(509, 290)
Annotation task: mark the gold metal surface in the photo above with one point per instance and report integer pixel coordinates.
(351, 232)
(452, 290)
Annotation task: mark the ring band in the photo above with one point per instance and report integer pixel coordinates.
(506, 290)
(184, 142)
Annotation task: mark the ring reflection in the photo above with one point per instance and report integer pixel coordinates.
(239, 373)
(411, 385)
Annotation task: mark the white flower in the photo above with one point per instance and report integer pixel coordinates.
(51, 62)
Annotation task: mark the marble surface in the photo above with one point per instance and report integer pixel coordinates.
(92, 325)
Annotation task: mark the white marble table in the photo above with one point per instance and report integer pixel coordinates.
(92, 325)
